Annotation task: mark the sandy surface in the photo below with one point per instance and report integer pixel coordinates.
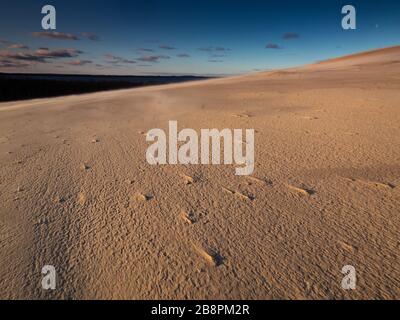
(76, 191)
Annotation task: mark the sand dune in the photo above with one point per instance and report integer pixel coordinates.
(77, 192)
(386, 55)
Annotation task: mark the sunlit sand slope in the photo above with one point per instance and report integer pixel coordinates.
(76, 191)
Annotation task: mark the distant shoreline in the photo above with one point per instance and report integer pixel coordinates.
(16, 86)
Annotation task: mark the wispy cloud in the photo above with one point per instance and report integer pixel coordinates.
(17, 56)
(290, 36)
(145, 50)
(215, 60)
(18, 46)
(166, 47)
(206, 49)
(222, 49)
(91, 36)
(149, 58)
(79, 62)
(13, 45)
(40, 55)
(152, 58)
(5, 42)
(213, 49)
(55, 35)
(118, 60)
(58, 53)
(273, 46)
(183, 55)
(6, 63)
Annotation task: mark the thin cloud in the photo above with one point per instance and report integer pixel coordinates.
(149, 58)
(55, 35)
(152, 58)
(272, 46)
(117, 60)
(5, 42)
(291, 35)
(222, 49)
(79, 62)
(13, 45)
(166, 47)
(13, 64)
(214, 49)
(18, 56)
(206, 49)
(40, 55)
(91, 36)
(215, 60)
(18, 46)
(183, 55)
(145, 50)
(59, 53)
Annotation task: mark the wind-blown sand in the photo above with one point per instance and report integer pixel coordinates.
(76, 191)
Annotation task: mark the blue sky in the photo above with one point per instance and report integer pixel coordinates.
(188, 37)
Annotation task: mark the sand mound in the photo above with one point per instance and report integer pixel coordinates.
(384, 56)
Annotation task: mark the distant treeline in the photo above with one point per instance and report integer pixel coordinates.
(30, 86)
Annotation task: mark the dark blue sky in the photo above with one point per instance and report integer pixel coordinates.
(191, 37)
